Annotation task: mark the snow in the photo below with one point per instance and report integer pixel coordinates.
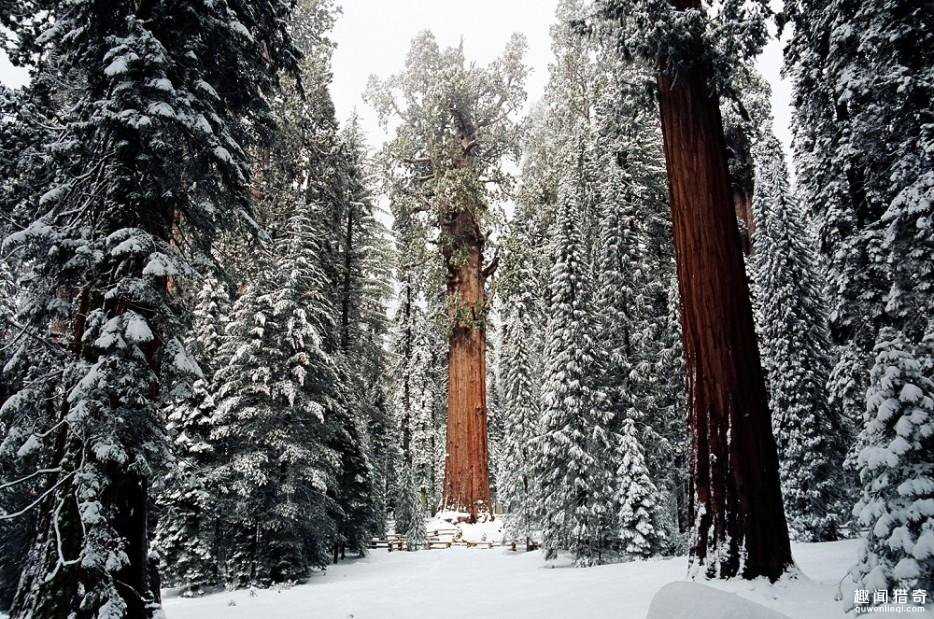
(691, 600)
(120, 65)
(28, 447)
(478, 583)
(476, 533)
(137, 330)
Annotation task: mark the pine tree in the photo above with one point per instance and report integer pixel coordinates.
(633, 268)
(895, 469)
(619, 309)
(795, 347)
(668, 401)
(639, 517)
(862, 76)
(424, 441)
(155, 117)
(516, 482)
(276, 404)
(416, 533)
(185, 537)
(575, 496)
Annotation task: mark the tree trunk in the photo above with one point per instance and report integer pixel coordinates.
(737, 511)
(466, 469)
(742, 202)
(406, 421)
(347, 279)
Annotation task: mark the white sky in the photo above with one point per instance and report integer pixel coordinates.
(373, 37)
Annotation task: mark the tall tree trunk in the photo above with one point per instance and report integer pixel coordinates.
(406, 383)
(738, 515)
(347, 283)
(466, 469)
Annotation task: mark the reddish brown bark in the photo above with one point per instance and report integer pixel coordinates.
(737, 499)
(742, 203)
(466, 469)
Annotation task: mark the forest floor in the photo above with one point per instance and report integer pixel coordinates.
(478, 583)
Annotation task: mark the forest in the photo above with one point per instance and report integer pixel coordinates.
(242, 346)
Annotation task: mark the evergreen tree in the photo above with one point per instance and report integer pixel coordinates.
(185, 537)
(415, 533)
(276, 404)
(424, 441)
(795, 347)
(456, 128)
(693, 53)
(575, 497)
(147, 161)
(516, 482)
(639, 519)
(862, 76)
(895, 469)
(668, 458)
(632, 269)
(401, 398)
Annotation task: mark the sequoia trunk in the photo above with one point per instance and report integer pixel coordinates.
(737, 510)
(466, 468)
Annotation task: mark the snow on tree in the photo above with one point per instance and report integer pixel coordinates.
(576, 490)
(694, 52)
(628, 195)
(446, 160)
(640, 514)
(147, 161)
(311, 163)
(185, 536)
(276, 399)
(862, 76)
(667, 458)
(516, 482)
(29, 365)
(424, 386)
(897, 501)
(792, 328)
(416, 534)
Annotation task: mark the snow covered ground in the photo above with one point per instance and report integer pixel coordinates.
(461, 582)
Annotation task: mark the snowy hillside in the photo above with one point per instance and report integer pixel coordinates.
(499, 583)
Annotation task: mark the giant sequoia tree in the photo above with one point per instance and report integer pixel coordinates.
(455, 128)
(739, 518)
(145, 161)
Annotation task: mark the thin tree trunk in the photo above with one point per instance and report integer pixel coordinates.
(406, 386)
(738, 515)
(466, 468)
(348, 279)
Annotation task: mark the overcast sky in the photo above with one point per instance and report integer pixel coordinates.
(373, 37)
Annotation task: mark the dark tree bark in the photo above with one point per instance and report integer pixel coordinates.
(406, 384)
(60, 532)
(737, 511)
(347, 282)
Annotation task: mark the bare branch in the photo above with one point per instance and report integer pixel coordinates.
(16, 482)
(41, 498)
(494, 263)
